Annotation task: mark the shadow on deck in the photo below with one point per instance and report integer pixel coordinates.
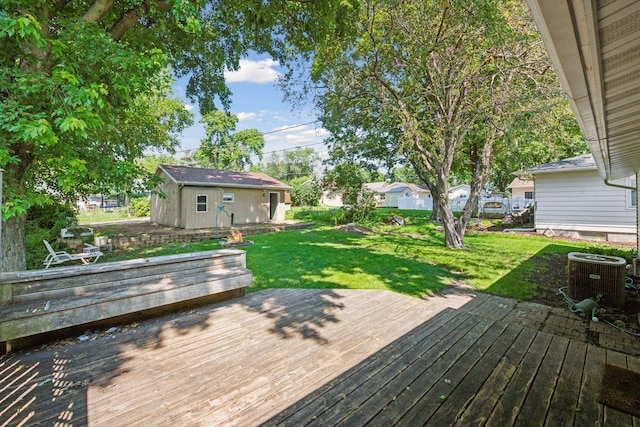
(319, 357)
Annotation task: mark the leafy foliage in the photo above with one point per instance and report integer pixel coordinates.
(141, 206)
(293, 164)
(363, 209)
(434, 84)
(85, 91)
(305, 192)
(346, 180)
(224, 149)
(150, 162)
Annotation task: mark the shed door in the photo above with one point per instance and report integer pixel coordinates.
(274, 200)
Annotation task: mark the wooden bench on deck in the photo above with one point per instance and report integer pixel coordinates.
(43, 301)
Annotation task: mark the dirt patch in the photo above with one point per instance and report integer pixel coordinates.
(553, 268)
(354, 229)
(137, 228)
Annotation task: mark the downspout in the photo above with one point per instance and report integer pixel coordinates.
(636, 261)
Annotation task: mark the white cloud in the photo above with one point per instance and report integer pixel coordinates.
(188, 107)
(262, 71)
(246, 116)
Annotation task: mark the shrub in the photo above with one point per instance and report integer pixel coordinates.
(363, 210)
(141, 206)
(305, 193)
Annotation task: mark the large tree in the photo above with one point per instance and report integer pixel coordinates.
(436, 83)
(223, 148)
(293, 164)
(82, 83)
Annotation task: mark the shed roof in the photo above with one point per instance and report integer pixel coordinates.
(191, 176)
(584, 162)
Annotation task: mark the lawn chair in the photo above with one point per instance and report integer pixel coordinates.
(62, 256)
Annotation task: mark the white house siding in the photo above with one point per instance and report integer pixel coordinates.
(579, 204)
(415, 202)
(391, 200)
(330, 201)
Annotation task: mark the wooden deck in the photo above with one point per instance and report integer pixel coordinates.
(316, 357)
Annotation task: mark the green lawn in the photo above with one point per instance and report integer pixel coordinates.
(411, 259)
(100, 215)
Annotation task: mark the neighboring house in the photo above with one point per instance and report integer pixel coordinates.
(330, 201)
(378, 189)
(375, 186)
(522, 194)
(415, 196)
(392, 193)
(197, 197)
(398, 194)
(458, 196)
(573, 200)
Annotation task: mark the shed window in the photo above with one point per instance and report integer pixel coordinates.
(202, 203)
(528, 195)
(228, 197)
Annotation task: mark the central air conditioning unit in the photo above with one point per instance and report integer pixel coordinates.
(592, 275)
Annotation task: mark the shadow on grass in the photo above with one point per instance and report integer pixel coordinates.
(334, 259)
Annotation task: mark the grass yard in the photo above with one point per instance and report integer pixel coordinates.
(101, 215)
(411, 259)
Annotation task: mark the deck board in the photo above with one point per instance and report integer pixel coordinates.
(478, 410)
(316, 357)
(567, 387)
(459, 394)
(371, 375)
(538, 398)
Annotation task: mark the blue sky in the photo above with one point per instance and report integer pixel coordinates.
(257, 102)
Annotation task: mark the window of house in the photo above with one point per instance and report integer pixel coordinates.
(528, 195)
(632, 196)
(228, 197)
(202, 203)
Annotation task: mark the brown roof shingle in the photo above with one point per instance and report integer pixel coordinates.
(211, 177)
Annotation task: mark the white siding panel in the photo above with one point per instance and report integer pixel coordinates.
(580, 200)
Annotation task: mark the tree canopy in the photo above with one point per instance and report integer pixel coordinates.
(437, 84)
(293, 164)
(223, 148)
(85, 84)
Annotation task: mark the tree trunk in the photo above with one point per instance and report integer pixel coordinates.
(14, 257)
(435, 213)
(453, 234)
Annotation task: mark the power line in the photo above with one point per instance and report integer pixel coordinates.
(292, 148)
(276, 131)
(291, 127)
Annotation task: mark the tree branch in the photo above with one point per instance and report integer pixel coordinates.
(129, 18)
(124, 24)
(98, 10)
